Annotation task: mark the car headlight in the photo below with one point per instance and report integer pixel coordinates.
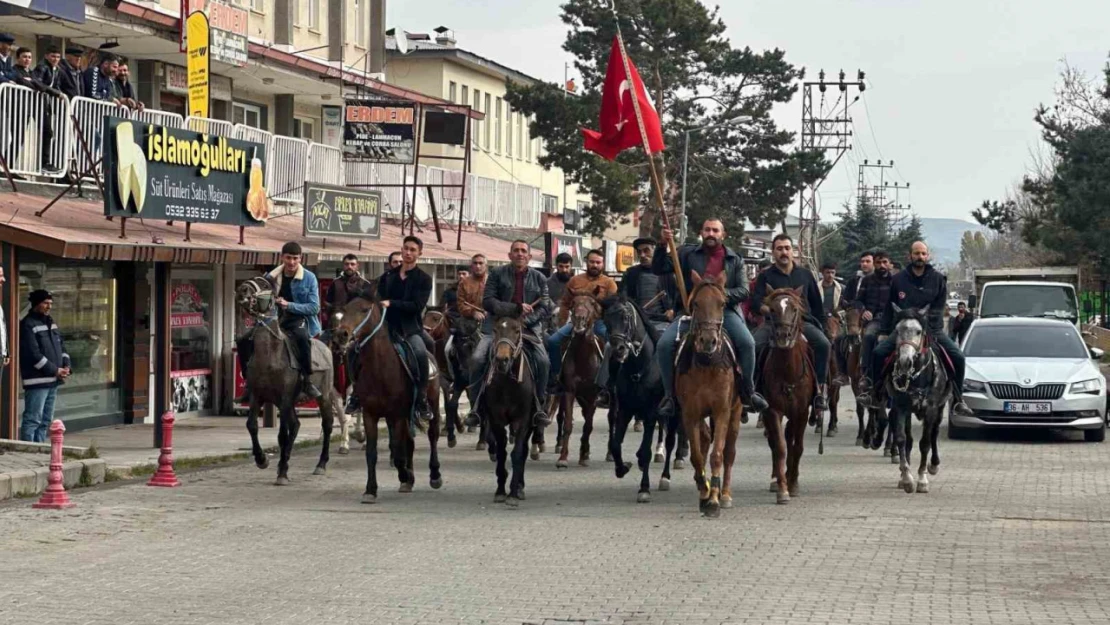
(1092, 386)
(974, 386)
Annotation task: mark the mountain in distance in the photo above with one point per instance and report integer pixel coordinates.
(943, 236)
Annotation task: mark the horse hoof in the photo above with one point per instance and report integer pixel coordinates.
(859, 442)
(520, 495)
(774, 488)
(265, 464)
(320, 471)
(359, 437)
(512, 502)
(907, 485)
(481, 445)
(543, 448)
(659, 457)
(281, 481)
(726, 502)
(638, 427)
(609, 457)
(743, 417)
(831, 433)
(893, 458)
(664, 484)
(934, 469)
(470, 429)
(405, 488)
(452, 442)
(644, 497)
(368, 498)
(712, 510)
(782, 498)
(793, 490)
(679, 464)
(535, 455)
(492, 457)
(583, 462)
(561, 464)
(436, 484)
(923, 487)
(499, 498)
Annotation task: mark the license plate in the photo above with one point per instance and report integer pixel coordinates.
(1027, 407)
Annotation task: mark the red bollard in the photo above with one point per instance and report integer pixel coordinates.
(165, 476)
(55, 496)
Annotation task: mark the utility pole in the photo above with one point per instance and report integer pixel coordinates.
(876, 196)
(826, 129)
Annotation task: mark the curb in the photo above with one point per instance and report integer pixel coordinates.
(31, 482)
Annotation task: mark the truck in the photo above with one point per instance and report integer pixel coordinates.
(1047, 292)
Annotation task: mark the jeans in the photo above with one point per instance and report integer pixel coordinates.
(737, 331)
(814, 336)
(297, 329)
(555, 345)
(533, 351)
(420, 344)
(886, 348)
(870, 338)
(38, 412)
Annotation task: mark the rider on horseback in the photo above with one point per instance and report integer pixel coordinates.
(298, 295)
(515, 289)
(593, 282)
(641, 285)
(403, 293)
(556, 285)
(708, 259)
(785, 274)
(919, 286)
(872, 299)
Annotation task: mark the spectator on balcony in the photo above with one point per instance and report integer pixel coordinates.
(24, 75)
(126, 90)
(48, 72)
(69, 80)
(7, 64)
(99, 81)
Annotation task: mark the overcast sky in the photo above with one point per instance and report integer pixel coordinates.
(952, 84)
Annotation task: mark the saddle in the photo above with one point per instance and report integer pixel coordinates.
(320, 355)
(684, 353)
(598, 345)
(764, 354)
(408, 358)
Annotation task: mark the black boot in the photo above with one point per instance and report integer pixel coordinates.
(758, 403)
(603, 398)
(423, 414)
(246, 397)
(819, 402)
(353, 404)
(666, 407)
(309, 388)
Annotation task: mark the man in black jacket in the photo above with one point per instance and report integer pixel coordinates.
(871, 300)
(786, 274)
(641, 285)
(404, 294)
(919, 286)
(43, 365)
(70, 82)
(557, 284)
(867, 262)
(516, 290)
(711, 258)
(960, 323)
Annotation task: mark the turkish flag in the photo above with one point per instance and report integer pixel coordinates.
(619, 130)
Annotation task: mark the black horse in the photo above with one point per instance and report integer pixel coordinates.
(507, 404)
(639, 391)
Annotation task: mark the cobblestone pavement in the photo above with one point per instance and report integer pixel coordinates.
(1015, 530)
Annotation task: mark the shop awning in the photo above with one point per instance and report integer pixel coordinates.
(75, 228)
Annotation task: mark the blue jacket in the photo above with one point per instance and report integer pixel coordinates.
(306, 296)
(96, 85)
(41, 351)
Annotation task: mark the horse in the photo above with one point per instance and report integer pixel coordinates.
(832, 329)
(639, 391)
(790, 383)
(875, 423)
(273, 378)
(384, 389)
(507, 403)
(706, 387)
(582, 356)
(918, 384)
(438, 326)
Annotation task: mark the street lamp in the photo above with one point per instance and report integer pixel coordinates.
(686, 165)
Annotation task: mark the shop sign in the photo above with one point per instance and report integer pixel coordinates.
(176, 174)
(626, 257)
(558, 243)
(191, 390)
(187, 307)
(177, 81)
(339, 211)
(229, 26)
(333, 126)
(379, 131)
(198, 65)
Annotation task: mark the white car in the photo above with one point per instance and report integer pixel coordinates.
(1024, 372)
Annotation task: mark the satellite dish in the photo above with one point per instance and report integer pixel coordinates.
(402, 40)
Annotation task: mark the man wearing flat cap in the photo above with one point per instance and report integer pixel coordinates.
(642, 286)
(7, 63)
(69, 79)
(43, 365)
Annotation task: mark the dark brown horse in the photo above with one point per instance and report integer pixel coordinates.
(832, 329)
(438, 326)
(705, 387)
(790, 383)
(384, 390)
(506, 404)
(581, 361)
(853, 345)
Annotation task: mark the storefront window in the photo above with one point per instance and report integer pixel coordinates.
(85, 310)
(191, 293)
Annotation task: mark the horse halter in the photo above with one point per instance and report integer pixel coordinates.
(921, 347)
(631, 321)
(716, 328)
(442, 319)
(793, 327)
(260, 298)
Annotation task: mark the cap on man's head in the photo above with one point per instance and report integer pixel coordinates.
(39, 296)
(53, 50)
(71, 51)
(7, 38)
(292, 248)
(643, 241)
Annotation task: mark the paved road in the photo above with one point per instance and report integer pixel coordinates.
(1014, 531)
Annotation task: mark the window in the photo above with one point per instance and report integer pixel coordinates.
(191, 339)
(550, 204)
(360, 23)
(508, 130)
(486, 125)
(519, 135)
(247, 114)
(304, 129)
(1049, 341)
(477, 128)
(497, 131)
(452, 90)
(313, 14)
(258, 5)
(528, 153)
(464, 101)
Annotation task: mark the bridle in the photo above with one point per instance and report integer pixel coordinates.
(260, 301)
(795, 326)
(515, 350)
(715, 328)
(632, 321)
(435, 326)
(920, 347)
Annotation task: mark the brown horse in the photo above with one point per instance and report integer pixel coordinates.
(385, 390)
(506, 404)
(438, 325)
(832, 329)
(581, 360)
(790, 383)
(853, 345)
(705, 386)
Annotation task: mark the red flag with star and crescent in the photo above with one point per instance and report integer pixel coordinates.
(619, 130)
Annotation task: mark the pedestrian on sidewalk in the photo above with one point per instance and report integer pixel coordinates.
(43, 365)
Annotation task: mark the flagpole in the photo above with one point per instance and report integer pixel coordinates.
(651, 160)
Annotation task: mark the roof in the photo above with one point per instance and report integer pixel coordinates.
(1021, 321)
(424, 48)
(78, 229)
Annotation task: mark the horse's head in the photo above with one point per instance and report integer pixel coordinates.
(584, 311)
(626, 332)
(853, 323)
(909, 331)
(787, 310)
(467, 335)
(255, 297)
(707, 309)
(508, 336)
(345, 323)
(437, 324)
(833, 326)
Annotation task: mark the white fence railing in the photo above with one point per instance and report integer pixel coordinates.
(205, 126)
(325, 164)
(159, 118)
(35, 137)
(288, 169)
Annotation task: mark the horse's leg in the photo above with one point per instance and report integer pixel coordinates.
(611, 417)
(483, 435)
(435, 479)
(285, 445)
(398, 436)
(451, 409)
(683, 450)
(672, 436)
(371, 494)
(500, 449)
(588, 409)
(260, 459)
(660, 447)
(719, 422)
(898, 425)
(644, 456)
(730, 453)
(776, 439)
(794, 455)
(327, 423)
(861, 436)
(693, 421)
(622, 418)
(934, 466)
(519, 457)
(925, 445)
(566, 412)
(834, 401)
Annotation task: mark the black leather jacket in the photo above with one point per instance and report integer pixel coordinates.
(497, 299)
(695, 258)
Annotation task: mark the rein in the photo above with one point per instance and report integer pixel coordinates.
(362, 324)
(716, 327)
(442, 319)
(631, 321)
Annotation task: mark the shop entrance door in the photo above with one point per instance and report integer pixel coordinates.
(192, 341)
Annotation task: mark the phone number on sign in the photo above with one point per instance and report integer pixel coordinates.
(192, 213)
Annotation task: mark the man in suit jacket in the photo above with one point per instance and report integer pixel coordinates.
(404, 293)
